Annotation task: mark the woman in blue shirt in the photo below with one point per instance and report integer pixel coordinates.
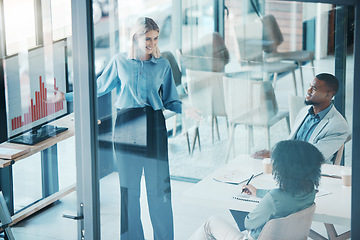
(144, 87)
(296, 168)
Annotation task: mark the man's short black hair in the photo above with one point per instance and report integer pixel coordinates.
(330, 80)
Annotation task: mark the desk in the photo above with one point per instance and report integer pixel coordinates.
(49, 165)
(217, 194)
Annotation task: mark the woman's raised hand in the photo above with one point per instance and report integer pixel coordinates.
(57, 97)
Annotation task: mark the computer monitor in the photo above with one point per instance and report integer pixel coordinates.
(29, 78)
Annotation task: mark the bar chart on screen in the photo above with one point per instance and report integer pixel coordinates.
(31, 78)
(38, 108)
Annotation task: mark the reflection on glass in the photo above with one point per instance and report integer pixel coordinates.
(277, 41)
(143, 85)
(20, 31)
(28, 82)
(251, 51)
(61, 19)
(34, 68)
(197, 21)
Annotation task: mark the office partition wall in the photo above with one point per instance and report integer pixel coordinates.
(208, 39)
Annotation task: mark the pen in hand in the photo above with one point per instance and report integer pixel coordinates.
(248, 182)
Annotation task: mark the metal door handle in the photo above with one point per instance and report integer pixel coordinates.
(73, 217)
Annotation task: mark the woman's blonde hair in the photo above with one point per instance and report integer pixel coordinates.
(141, 27)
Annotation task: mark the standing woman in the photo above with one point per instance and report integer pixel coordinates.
(144, 87)
(147, 87)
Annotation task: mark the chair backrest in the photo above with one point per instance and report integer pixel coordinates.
(340, 152)
(247, 38)
(206, 92)
(174, 66)
(210, 54)
(249, 102)
(182, 69)
(271, 32)
(296, 103)
(296, 226)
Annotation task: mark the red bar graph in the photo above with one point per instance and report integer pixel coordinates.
(40, 110)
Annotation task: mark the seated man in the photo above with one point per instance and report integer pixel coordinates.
(321, 124)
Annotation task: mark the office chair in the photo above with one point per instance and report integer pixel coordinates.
(249, 49)
(273, 33)
(296, 226)
(177, 74)
(206, 93)
(210, 54)
(251, 103)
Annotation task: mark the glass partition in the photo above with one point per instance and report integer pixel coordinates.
(20, 32)
(240, 83)
(126, 140)
(35, 67)
(246, 86)
(61, 19)
(293, 42)
(240, 92)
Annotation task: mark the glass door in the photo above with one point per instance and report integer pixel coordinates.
(126, 130)
(129, 169)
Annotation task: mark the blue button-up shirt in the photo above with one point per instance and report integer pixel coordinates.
(139, 83)
(309, 124)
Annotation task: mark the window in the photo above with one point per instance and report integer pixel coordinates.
(19, 25)
(61, 18)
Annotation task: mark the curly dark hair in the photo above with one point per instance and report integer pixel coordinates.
(296, 166)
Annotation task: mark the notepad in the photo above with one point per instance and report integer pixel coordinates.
(247, 198)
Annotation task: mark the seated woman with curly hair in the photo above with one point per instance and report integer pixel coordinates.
(296, 169)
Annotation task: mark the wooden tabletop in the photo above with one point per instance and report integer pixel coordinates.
(67, 121)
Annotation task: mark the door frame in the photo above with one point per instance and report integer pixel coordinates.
(85, 108)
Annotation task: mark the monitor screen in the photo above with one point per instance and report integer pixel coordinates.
(29, 78)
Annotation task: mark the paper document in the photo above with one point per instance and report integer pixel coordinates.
(321, 192)
(235, 177)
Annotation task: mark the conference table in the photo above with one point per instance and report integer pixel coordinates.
(333, 202)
